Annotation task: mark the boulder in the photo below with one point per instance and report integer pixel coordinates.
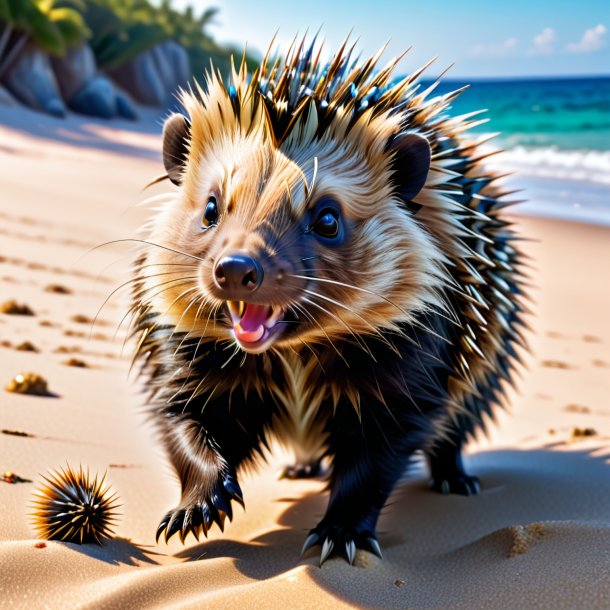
(74, 70)
(85, 90)
(97, 97)
(30, 78)
(140, 78)
(125, 107)
(179, 60)
(153, 77)
(6, 99)
(164, 69)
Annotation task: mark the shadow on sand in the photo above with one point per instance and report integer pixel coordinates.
(118, 551)
(419, 527)
(85, 132)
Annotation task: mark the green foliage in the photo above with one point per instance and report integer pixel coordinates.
(5, 11)
(123, 28)
(117, 30)
(70, 24)
(51, 27)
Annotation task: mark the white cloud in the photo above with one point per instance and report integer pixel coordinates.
(494, 49)
(544, 43)
(592, 40)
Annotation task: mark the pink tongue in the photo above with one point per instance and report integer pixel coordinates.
(254, 316)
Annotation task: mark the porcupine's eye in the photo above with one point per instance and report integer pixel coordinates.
(210, 214)
(326, 223)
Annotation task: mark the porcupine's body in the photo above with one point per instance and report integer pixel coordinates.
(334, 270)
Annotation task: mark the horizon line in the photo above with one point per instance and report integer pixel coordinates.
(521, 77)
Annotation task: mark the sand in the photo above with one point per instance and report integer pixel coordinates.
(537, 536)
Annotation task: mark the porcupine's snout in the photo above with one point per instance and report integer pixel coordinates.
(252, 311)
(238, 275)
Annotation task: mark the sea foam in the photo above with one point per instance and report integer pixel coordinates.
(581, 165)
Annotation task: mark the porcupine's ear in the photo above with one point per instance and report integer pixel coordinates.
(176, 135)
(410, 164)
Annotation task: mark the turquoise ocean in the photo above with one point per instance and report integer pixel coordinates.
(556, 137)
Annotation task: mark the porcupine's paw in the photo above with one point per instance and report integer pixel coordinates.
(340, 540)
(199, 516)
(463, 485)
(301, 471)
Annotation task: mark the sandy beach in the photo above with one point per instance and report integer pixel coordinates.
(538, 535)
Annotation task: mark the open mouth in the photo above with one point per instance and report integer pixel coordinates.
(255, 326)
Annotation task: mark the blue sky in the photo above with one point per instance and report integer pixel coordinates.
(483, 38)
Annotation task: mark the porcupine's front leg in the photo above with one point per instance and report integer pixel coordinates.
(206, 453)
(369, 457)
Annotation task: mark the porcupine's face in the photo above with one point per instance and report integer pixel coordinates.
(303, 241)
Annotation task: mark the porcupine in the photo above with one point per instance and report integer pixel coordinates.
(333, 270)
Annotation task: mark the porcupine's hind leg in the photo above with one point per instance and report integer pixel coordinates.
(206, 447)
(447, 474)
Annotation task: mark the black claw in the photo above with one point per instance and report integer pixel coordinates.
(311, 540)
(198, 517)
(214, 517)
(205, 520)
(174, 525)
(327, 549)
(374, 547)
(222, 504)
(347, 539)
(234, 490)
(462, 485)
(162, 526)
(350, 551)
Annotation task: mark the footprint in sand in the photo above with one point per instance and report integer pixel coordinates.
(82, 319)
(573, 408)
(555, 335)
(579, 434)
(601, 364)
(556, 364)
(591, 339)
(76, 362)
(18, 433)
(26, 346)
(57, 289)
(75, 334)
(36, 266)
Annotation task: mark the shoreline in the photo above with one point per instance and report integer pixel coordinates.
(548, 188)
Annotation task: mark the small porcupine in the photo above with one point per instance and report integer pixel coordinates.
(333, 271)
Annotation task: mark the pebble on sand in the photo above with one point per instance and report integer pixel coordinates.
(11, 307)
(28, 383)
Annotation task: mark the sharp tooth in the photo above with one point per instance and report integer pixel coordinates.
(236, 308)
(276, 314)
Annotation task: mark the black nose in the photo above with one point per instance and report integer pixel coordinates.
(238, 274)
